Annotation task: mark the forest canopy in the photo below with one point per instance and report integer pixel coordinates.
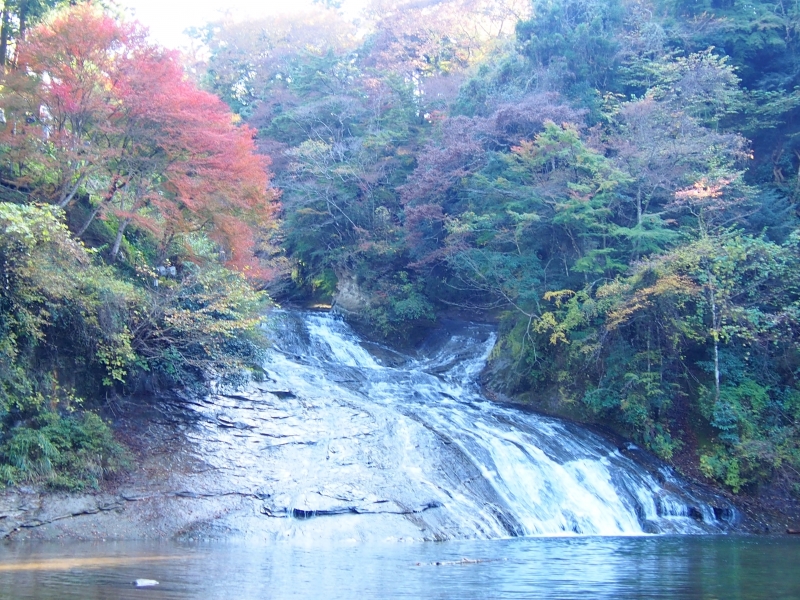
(614, 182)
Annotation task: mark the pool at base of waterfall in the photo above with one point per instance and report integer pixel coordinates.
(618, 568)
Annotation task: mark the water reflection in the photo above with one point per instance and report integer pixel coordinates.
(613, 568)
(90, 562)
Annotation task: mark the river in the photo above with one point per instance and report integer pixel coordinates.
(675, 567)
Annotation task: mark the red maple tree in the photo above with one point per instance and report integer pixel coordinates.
(95, 107)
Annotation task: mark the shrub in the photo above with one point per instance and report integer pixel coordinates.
(68, 453)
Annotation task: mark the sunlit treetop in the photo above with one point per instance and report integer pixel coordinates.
(94, 107)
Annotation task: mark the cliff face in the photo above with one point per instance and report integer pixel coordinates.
(350, 299)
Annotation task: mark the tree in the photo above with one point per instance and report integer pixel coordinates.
(252, 63)
(17, 17)
(94, 106)
(59, 104)
(575, 42)
(431, 43)
(550, 200)
(722, 308)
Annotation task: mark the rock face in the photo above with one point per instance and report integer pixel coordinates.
(335, 445)
(350, 300)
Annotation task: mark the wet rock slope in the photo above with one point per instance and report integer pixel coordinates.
(337, 444)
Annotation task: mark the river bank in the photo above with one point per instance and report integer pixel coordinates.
(167, 492)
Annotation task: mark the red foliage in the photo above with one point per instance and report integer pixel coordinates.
(210, 174)
(120, 110)
(461, 146)
(443, 162)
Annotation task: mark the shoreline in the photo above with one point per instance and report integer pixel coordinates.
(176, 492)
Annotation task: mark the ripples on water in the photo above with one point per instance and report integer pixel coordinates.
(708, 567)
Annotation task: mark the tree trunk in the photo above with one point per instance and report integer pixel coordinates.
(6, 25)
(118, 241)
(88, 222)
(115, 185)
(169, 235)
(716, 369)
(22, 15)
(67, 196)
(639, 207)
(715, 335)
(23, 19)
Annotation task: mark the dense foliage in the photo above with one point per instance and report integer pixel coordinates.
(616, 182)
(132, 209)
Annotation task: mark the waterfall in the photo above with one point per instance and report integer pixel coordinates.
(339, 441)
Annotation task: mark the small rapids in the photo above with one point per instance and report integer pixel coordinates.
(337, 442)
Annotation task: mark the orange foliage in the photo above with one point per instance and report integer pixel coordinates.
(703, 190)
(115, 108)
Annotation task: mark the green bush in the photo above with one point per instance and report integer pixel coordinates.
(61, 315)
(203, 325)
(71, 326)
(67, 453)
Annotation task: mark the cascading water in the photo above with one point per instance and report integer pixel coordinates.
(337, 443)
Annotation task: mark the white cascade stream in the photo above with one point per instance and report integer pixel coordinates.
(342, 442)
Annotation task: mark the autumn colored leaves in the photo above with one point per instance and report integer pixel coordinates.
(94, 109)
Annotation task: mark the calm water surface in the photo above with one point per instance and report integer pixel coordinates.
(712, 567)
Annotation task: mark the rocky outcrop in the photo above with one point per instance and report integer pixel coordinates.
(350, 300)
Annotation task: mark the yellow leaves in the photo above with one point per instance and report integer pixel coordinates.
(560, 325)
(559, 296)
(612, 288)
(116, 355)
(526, 149)
(199, 316)
(623, 313)
(209, 321)
(643, 298)
(548, 322)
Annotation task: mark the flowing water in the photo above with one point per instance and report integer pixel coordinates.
(341, 443)
(352, 471)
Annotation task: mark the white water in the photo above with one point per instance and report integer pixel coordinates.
(343, 440)
(359, 450)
